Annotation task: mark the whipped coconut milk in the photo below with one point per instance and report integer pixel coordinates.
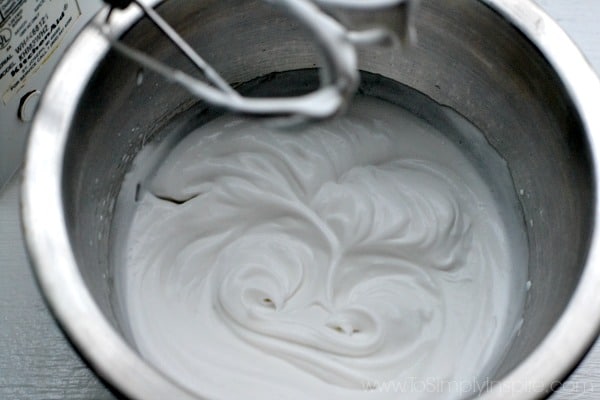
(363, 257)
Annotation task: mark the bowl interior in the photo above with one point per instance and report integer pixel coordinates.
(467, 58)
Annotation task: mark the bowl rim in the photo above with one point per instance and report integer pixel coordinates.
(62, 285)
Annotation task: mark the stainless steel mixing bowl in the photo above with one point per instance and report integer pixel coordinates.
(503, 64)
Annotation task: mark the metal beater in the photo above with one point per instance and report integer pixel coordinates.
(338, 27)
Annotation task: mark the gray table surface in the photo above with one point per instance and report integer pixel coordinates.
(37, 362)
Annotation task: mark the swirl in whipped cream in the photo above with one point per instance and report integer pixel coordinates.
(319, 263)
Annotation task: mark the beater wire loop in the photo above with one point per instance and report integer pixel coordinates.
(338, 26)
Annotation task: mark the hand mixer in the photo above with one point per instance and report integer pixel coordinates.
(338, 27)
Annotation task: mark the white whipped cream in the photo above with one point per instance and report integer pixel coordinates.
(343, 260)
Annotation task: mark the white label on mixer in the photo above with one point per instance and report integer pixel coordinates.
(30, 31)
